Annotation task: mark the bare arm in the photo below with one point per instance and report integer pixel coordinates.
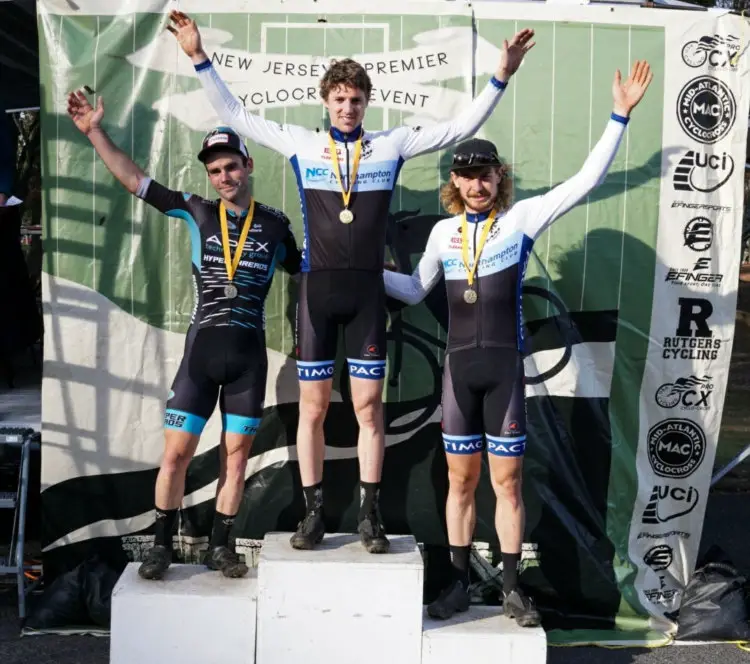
(88, 120)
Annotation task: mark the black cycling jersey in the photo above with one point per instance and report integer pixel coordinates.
(242, 319)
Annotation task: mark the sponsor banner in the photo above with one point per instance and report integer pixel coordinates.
(630, 295)
(694, 300)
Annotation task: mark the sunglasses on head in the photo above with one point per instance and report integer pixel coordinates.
(476, 159)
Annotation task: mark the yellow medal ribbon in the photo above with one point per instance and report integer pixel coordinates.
(232, 262)
(346, 216)
(465, 245)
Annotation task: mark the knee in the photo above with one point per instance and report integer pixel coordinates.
(176, 460)
(508, 489)
(369, 411)
(236, 461)
(462, 483)
(313, 409)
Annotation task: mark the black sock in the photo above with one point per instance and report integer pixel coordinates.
(222, 525)
(460, 563)
(313, 496)
(166, 520)
(510, 571)
(369, 493)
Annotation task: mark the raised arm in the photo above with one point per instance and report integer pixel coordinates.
(541, 211)
(230, 110)
(88, 121)
(413, 288)
(467, 123)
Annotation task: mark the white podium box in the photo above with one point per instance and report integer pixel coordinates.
(482, 634)
(192, 616)
(338, 604)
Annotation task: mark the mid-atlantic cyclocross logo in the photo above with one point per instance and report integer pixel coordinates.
(706, 109)
(717, 51)
(702, 172)
(676, 448)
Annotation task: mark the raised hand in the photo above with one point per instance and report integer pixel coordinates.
(186, 32)
(628, 94)
(83, 114)
(513, 53)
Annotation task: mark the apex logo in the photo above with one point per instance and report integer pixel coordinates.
(702, 172)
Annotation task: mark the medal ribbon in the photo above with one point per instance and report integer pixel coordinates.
(232, 262)
(465, 245)
(346, 195)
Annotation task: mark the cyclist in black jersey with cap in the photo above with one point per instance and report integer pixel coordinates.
(482, 251)
(236, 244)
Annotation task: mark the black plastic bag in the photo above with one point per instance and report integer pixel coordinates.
(714, 605)
(80, 597)
(61, 605)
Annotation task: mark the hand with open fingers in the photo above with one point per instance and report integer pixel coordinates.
(627, 95)
(512, 53)
(186, 32)
(83, 114)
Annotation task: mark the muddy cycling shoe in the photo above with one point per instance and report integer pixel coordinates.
(517, 605)
(372, 533)
(155, 563)
(310, 531)
(224, 560)
(453, 599)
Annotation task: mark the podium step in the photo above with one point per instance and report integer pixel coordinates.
(192, 616)
(338, 604)
(482, 634)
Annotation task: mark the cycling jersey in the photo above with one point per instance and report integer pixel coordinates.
(239, 322)
(328, 243)
(483, 397)
(495, 320)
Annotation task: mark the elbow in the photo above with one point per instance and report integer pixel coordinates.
(413, 298)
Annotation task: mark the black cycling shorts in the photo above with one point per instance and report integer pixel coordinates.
(352, 299)
(483, 396)
(224, 362)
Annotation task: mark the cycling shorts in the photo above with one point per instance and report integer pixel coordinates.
(225, 362)
(353, 299)
(483, 396)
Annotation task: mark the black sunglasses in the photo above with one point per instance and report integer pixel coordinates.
(476, 159)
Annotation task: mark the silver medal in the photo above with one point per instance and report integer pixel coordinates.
(230, 290)
(470, 296)
(346, 216)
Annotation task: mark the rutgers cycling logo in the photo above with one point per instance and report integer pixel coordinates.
(676, 447)
(702, 172)
(715, 50)
(699, 234)
(706, 109)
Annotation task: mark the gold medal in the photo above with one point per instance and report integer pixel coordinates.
(231, 262)
(346, 216)
(470, 295)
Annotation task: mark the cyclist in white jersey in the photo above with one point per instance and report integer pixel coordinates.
(345, 179)
(482, 252)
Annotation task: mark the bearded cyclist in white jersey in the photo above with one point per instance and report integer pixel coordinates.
(482, 252)
(345, 178)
